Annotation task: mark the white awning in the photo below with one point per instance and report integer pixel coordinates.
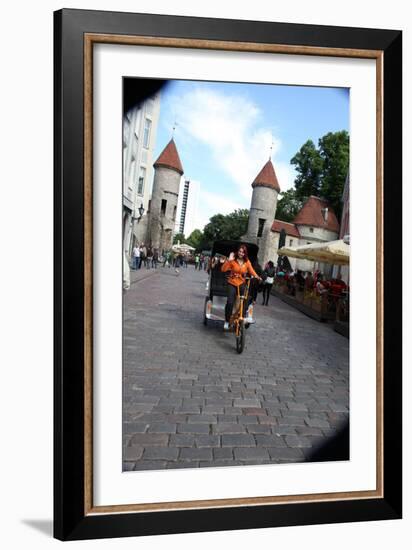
(332, 252)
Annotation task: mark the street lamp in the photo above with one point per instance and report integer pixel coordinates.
(140, 210)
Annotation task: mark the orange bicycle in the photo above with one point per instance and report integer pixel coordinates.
(238, 321)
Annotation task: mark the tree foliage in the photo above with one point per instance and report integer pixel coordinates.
(309, 165)
(288, 206)
(321, 172)
(179, 237)
(334, 149)
(195, 238)
(225, 226)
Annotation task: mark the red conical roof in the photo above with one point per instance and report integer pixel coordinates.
(311, 214)
(169, 158)
(267, 177)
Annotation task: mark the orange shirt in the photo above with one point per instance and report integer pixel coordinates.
(238, 272)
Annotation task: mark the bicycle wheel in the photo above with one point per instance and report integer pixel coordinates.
(240, 337)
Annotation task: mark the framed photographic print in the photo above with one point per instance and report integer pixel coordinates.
(227, 211)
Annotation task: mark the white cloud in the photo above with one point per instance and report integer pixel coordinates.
(214, 203)
(286, 175)
(232, 127)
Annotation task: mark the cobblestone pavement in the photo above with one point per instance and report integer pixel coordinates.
(189, 400)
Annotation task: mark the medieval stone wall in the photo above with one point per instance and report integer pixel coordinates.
(166, 185)
(263, 206)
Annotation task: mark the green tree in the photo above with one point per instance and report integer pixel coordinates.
(320, 172)
(309, 166)
(195, 238)
(236, 223)
(288, 206)
(334, 150)
(230, 226)
(179, 237)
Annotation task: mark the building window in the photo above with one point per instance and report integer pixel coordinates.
(311, 229)
(307, 242)
(163, 207)
(290, 242)
(142, 177)
(261, 226)
(174, 212)
(150, 106)
(146, 133)
(132, 174)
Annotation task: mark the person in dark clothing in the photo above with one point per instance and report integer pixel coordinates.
(256, 285)
(269, 277)
(300, 280)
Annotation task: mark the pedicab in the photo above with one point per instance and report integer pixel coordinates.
(216, 287)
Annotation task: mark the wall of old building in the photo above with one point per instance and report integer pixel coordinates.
(310, 234)
(166, 186)
(263, 206)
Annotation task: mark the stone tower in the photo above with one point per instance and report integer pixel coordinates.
(262, 210)
(165, 192)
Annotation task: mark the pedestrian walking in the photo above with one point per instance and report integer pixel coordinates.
(155, 258)
(256, 285)
(143, 255)
(136, 257)
(149, 258)
(269, 277)
(166, 256)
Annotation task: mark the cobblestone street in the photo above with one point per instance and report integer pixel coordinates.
(191, 401)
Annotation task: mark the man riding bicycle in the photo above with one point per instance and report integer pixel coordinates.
(239, 265)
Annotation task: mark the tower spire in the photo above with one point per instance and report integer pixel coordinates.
(174, 128)
(272, 143)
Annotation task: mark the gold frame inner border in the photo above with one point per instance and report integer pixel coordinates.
(89, 40)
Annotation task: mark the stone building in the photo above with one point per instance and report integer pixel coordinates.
(156, 226)
(188, 208)
(315, 222)
(262, 211)
(139, 138)
(183, 208)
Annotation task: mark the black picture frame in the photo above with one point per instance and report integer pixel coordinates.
(71, 519)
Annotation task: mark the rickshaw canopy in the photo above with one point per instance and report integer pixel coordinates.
(224, 248)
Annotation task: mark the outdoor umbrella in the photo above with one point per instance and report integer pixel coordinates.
(332, 252)
(182, 248)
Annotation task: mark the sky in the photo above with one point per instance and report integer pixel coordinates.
(226, 132)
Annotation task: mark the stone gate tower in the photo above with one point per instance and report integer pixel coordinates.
(165, 192)
(263, 210)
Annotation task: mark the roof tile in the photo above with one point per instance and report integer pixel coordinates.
(289, 228)
(267, 177)
(169, 158)
(311, 214)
